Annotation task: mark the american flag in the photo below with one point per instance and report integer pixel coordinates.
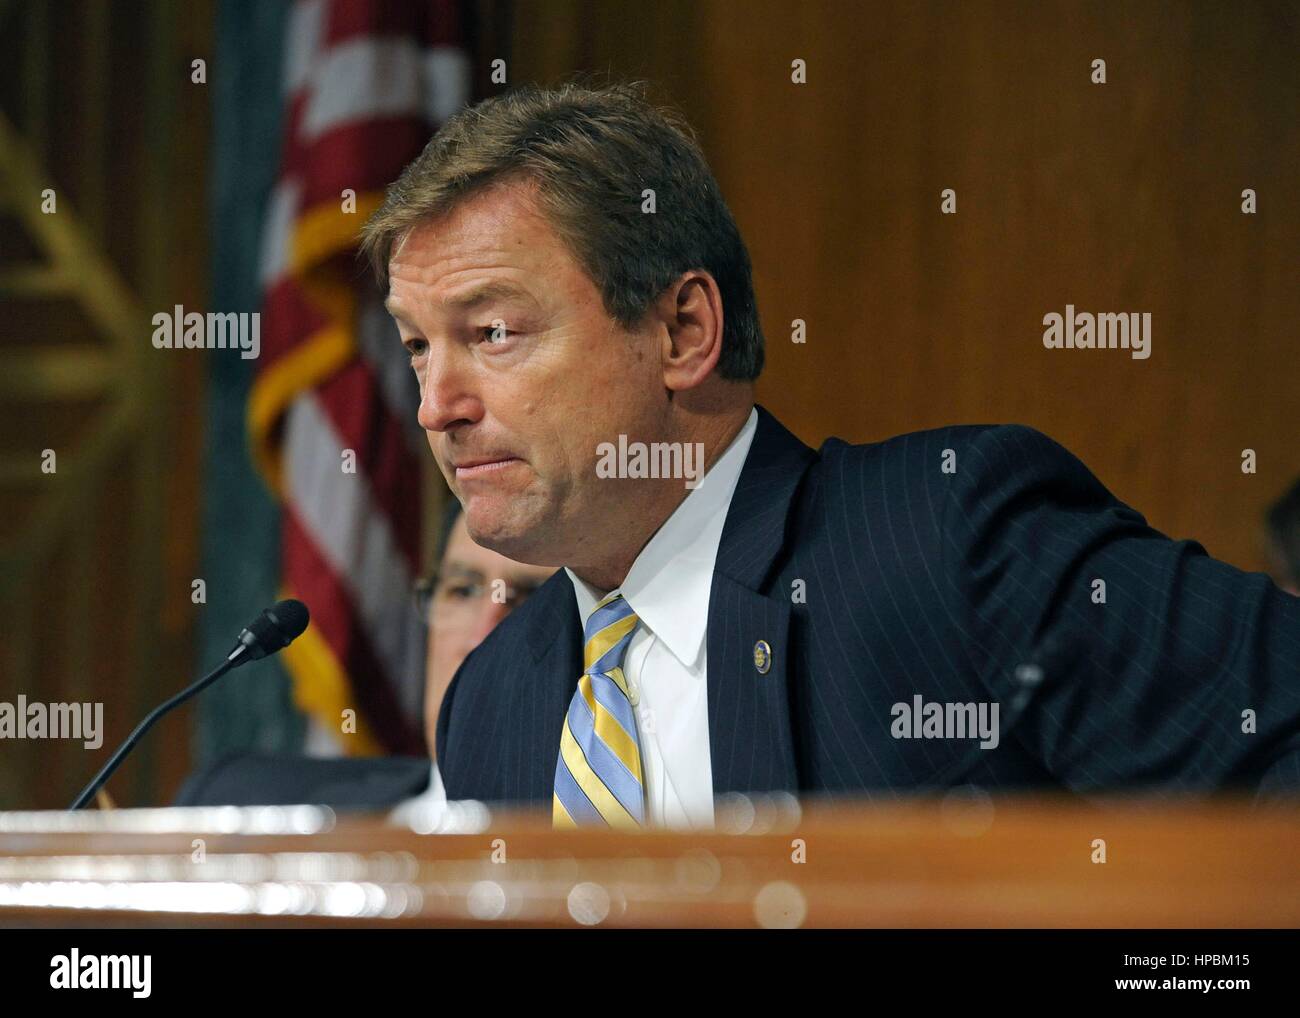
(332, 408)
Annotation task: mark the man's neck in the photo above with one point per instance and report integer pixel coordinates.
(608, 575)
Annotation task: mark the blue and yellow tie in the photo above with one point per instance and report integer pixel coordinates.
(598, 775)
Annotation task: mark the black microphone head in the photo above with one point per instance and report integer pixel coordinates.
(274, 629)
(292, 616)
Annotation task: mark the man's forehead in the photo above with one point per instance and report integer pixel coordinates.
(470, 297)
(499, 228)
(494, 216)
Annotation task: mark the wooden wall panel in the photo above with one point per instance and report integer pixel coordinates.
(96, 559)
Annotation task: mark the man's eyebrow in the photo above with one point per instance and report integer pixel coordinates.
(473, 297)
(499, 290)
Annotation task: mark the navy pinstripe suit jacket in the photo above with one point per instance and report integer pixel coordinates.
(973, 584)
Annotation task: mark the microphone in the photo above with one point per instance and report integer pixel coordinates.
(274, 629)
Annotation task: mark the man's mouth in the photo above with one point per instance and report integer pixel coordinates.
(482, 466)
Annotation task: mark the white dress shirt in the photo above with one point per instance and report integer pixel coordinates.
(666, 669)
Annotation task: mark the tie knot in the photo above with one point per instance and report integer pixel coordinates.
(608, 632)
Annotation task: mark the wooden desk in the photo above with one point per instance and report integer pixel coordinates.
(957, 862)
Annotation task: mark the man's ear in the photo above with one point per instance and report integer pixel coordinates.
(691, 311)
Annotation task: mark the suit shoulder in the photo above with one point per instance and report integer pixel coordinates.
(1013, 463)
(911, 443)
(916, 454)
(976, 470)
(999, 449)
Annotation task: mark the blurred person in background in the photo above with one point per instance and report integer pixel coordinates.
(1282, 525)
(469, 593)
(469, 590)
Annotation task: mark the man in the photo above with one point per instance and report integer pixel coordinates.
(470, 590)
(966, 605)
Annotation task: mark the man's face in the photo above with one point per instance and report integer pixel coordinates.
(475, 589)
(522, 375)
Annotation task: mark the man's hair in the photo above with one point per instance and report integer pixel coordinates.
(591, 151)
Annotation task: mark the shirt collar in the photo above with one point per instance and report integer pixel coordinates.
(669, 583)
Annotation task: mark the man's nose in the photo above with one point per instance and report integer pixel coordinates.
(446, 394)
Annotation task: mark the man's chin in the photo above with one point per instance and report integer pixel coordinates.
(509, 536)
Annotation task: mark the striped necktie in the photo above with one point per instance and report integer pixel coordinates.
(598, 775)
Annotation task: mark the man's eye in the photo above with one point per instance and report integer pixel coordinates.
(416, 347)
(494, 333)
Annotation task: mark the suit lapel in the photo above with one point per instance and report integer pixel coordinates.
(750, 734)
(750, 740)
(555, 642)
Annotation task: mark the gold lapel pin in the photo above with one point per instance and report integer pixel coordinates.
(762, 657)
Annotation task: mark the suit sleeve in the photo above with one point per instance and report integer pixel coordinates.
(1155, 666)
